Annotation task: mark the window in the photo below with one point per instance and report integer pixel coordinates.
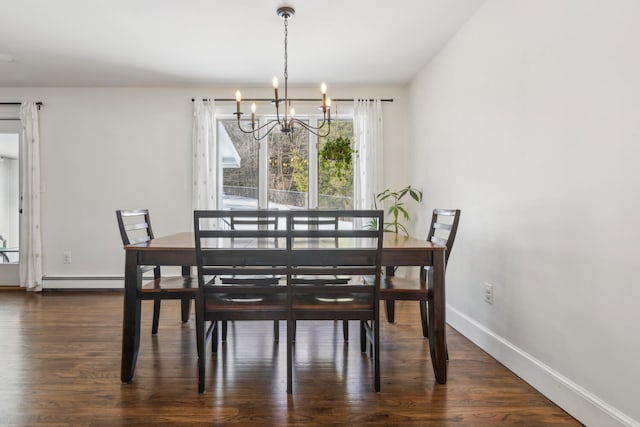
(278, 173)
(288, 169)
(335, 185)
(239, 160)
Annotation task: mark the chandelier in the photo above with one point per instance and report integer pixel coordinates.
(287, 121)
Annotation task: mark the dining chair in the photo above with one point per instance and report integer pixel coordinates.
(135, 227)
(442, 231)
(319, 223)
(262, 220)
(318, 256)
(243, 254)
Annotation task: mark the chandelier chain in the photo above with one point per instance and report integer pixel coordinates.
(286, 62)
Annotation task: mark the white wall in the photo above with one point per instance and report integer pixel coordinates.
(118, 148)
(529, 121)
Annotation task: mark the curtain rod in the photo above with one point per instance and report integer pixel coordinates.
(39, 104)
(290, 99)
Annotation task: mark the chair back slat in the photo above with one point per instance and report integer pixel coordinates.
(241, 271)
(137, 226)
(439, 240)
(339, 257)
(446, 212)
(141, 239)
(441, 226)
(260, 222)
(133, 212)
(314, 223)
(258, 257)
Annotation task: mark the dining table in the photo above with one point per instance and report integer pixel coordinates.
(179, 250)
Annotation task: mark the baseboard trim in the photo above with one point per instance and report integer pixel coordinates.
(83, 282)
(580, 403)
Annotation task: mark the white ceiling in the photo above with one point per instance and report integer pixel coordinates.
(213, 42)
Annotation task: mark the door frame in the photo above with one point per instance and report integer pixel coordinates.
(10, 273)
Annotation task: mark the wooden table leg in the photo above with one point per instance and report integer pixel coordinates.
(390, 305)
(186, 302)
(437, 321)
(130, 317)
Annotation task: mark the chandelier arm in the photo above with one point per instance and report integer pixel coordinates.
(259, 128)
(240, 127)
(314, 130)
(256, 134)
(311, 127)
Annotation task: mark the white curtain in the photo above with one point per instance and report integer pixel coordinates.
(367, 130)
(30, 232)
(205, 172)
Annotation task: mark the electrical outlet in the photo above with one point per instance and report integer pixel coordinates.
(488, 293)
(67, 257)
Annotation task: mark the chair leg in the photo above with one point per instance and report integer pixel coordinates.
(390, 306)
(424, 319)
(370, 334)
(214, 338)
(291, 330)
(376, 353)
(200, 342)
(186, 302)
(276, 330)
(186, 309)
(156, 316)
(224, 331)
(345, 330)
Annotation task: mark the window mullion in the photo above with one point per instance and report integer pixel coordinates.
(263, 169)
(313, 166)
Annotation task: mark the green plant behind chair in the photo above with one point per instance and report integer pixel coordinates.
(397, 209)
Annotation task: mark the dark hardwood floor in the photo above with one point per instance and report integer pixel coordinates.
(60, 365)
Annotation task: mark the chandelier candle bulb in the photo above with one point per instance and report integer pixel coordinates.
(323, 89)
(253, 114)
(274, 82)
(238, 99)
